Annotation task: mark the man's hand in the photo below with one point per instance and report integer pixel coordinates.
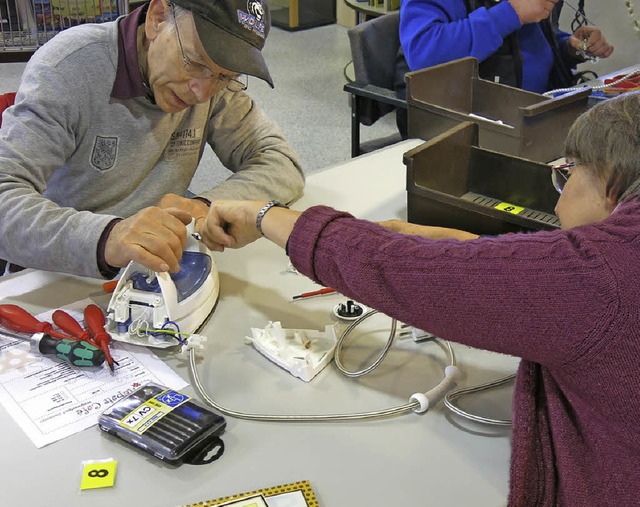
(153, 237)
(590, 40)
(195, 207)
(230, 224)
(532, 11)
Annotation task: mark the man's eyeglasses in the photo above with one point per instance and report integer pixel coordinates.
(199, 71)
(560, 174)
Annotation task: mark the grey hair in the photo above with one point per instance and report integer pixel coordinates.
(606, 140)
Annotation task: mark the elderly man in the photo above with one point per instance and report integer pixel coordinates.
(109, 125)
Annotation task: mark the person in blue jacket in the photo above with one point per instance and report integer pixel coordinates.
(522, 33)
(517, 42)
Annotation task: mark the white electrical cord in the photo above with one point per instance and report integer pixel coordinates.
(419, 402)
(599, 87)
(339, 344)
(448, 401)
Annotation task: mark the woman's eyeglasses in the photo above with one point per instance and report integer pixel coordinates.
(199, 71)
(560, 174)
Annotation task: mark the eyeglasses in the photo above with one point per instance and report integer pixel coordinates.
(199, 71)
(560, 174)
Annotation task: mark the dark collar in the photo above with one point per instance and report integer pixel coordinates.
(128, 83)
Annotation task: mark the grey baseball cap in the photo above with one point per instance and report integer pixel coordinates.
(233, 33)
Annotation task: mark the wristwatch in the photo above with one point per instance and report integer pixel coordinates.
(263, 212)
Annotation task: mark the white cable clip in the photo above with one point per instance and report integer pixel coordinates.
(452, 375)
(194, 341)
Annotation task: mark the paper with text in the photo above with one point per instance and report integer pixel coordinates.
(50, 399)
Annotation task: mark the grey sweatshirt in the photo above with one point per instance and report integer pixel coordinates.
(74, 155)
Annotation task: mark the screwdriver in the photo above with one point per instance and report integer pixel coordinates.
(17, 319)
(319, 292)
(94, 319)
(75, 352)
(47, 340)
(70, 325)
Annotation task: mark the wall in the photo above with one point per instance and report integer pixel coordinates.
(345, 15)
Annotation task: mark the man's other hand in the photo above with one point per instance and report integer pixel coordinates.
(154, 237)
(195, 207)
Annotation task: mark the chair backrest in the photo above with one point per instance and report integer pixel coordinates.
(6, 100)
(374, 49)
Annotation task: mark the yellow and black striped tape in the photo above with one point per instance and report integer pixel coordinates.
(303, 486)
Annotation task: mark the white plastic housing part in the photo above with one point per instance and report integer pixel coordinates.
(302, 352)
(148, 310)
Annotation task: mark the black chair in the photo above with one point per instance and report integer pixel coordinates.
(374, 49)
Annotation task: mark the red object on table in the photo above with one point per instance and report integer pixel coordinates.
(95, 321)
(319, 292)
(18, 319)
(70, 325)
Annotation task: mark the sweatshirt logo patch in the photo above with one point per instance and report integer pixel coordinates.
(184, 143)
(105, 152)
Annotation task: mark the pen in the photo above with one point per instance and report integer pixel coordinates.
(319, 292)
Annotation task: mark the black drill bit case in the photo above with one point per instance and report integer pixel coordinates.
(166, 424)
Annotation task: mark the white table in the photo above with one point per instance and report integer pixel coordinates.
(429, 459)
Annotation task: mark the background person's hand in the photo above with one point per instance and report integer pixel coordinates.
(590, 38)
(154, 237)
(532, 11)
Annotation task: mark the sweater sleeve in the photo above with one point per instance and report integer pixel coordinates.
(545, 297)
(263, 163)
(439, 31)
(38, 135)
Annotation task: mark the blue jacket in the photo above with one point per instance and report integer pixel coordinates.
(438, 31)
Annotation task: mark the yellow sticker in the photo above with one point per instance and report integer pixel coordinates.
(509, 208)
(99, 474)
(141, 418)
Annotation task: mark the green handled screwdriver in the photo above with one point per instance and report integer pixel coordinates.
(75, 352)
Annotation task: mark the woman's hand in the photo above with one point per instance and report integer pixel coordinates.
(427, 231)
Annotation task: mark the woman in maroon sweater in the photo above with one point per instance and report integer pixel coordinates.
(567, 302)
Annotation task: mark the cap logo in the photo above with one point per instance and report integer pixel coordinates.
(254, 19)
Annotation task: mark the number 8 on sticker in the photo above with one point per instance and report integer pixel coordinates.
(98, 474)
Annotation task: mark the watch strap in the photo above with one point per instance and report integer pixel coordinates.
(263, 212)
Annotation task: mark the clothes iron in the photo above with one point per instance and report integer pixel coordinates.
(162, 309)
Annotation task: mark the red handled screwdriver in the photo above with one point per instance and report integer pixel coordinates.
(70, 325)
(18, 319)
(47, 340)
(319, 292)
(94, 319)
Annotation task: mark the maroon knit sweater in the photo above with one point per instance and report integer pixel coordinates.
(567, 302)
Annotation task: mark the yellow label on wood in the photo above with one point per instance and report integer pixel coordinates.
(509, 208)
